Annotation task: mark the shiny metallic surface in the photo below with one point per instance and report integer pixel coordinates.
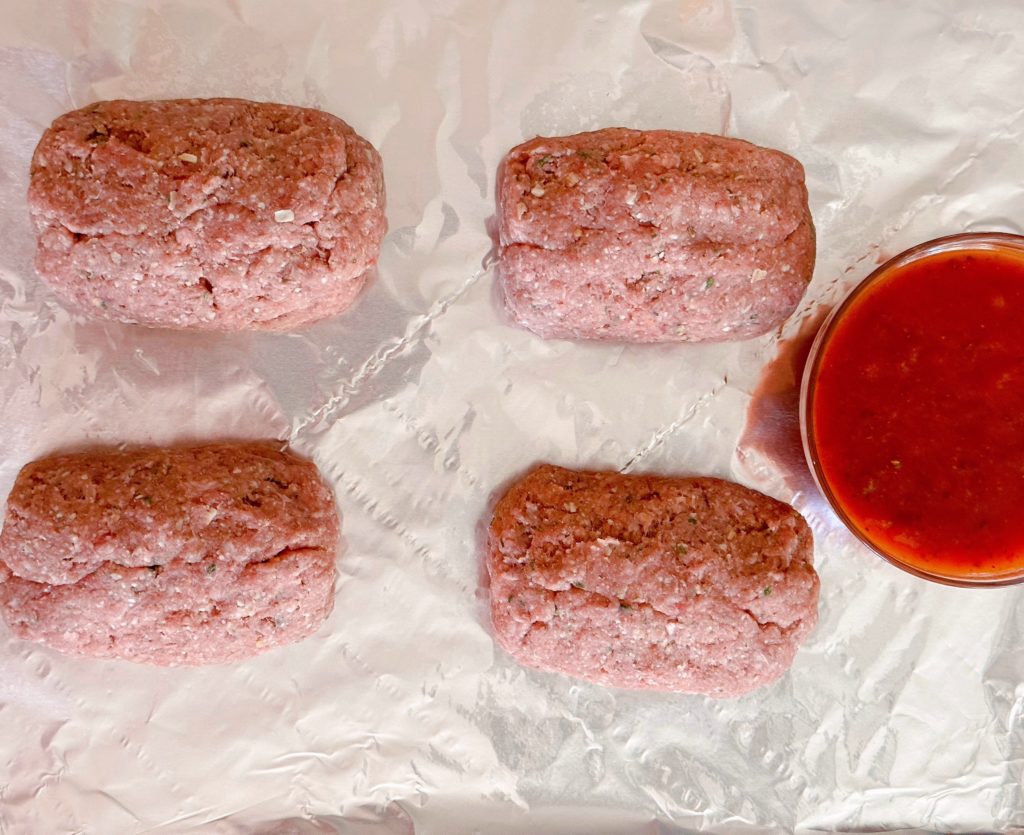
(903, 711)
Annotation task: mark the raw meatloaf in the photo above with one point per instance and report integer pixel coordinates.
(219, 214)
(694, 585)
(180, 556)
(652, 236)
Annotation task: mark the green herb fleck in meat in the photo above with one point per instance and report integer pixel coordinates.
(767, 591)
(211, 568)
(709, 284)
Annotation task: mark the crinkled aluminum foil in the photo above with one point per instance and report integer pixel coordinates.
(904, 711)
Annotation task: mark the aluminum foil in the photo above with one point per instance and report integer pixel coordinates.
(905, 709)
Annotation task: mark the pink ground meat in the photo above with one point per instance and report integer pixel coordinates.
(219, 214)
(652, 236)
(693, 585)
(192, 555)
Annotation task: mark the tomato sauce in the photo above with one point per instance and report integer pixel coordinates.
(918, 413)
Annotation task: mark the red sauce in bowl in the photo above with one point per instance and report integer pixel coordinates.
(913, 410)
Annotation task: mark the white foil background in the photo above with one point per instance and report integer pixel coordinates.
(905, 709)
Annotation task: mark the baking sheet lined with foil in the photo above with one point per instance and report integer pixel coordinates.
(904, 710)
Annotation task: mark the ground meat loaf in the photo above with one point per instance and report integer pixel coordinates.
(179, 556)
(694, 585)
(219, 214)
(652, 236)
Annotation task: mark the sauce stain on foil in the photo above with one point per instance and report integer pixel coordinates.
(772, 430)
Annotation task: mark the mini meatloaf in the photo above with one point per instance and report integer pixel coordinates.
(218, 214)
(652, 236)
(180, 556)
(693, 585)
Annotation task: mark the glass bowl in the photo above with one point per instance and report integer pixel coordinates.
(829, 469)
